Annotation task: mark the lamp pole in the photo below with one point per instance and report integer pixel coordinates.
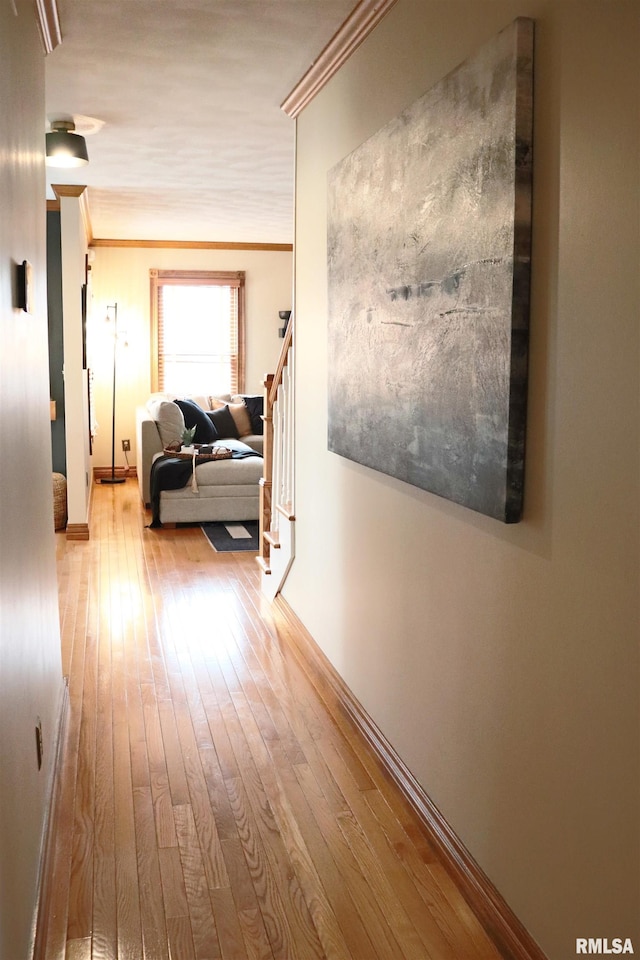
(113, 478)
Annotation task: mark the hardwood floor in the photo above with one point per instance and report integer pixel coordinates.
(213, 803)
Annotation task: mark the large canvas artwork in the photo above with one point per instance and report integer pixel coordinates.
(429, 227)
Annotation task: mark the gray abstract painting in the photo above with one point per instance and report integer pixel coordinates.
(429, 250)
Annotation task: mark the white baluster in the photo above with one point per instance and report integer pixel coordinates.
(277, 464)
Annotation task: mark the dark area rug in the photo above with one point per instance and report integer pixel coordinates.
(234, 536)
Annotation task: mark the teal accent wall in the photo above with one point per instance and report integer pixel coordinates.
(56, 344)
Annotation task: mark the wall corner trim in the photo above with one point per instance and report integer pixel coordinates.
(47, 880)
(79, 192)
(496, 916)
(49, 23)
(355, 29)
(86, 218)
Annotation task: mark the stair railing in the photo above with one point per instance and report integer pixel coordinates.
(276, 485)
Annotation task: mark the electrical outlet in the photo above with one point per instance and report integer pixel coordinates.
(126, 446)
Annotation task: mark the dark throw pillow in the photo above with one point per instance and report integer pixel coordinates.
(195, 416)
(223, 423)
(255, 406)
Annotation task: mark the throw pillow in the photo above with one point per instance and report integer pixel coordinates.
(255, 405)
(242, 419)
(169, 420)
(218, 401)
(195, 416)
(239, 413)
(224, 423)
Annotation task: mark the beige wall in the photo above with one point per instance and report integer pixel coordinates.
(30, 668)
(502, 662)
(122, 275)
(73, 241)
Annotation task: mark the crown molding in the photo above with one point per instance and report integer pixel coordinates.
(194, 244)
(68, 189)
(49, 23)
(356, 28)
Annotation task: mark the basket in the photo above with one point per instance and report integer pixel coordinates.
(59, 501)
(218, 453)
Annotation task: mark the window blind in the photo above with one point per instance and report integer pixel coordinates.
(197, 332)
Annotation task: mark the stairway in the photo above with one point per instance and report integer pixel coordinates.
(277, 514)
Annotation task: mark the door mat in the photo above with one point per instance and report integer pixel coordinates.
(233, 537)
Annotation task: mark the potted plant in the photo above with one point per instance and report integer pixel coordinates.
(187, 439)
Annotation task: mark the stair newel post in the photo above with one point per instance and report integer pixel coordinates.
(267, 475)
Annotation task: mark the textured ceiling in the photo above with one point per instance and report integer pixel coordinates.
(194, 144)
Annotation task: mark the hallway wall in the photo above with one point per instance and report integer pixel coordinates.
(30, 667)
(501, 662)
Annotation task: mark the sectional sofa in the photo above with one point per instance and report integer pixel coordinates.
(221, 489)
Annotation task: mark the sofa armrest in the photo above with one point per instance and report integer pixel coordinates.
(148, 444)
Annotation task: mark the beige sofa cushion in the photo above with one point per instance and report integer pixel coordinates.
(225, 473)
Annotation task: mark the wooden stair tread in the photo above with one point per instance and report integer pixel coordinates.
(286, 509)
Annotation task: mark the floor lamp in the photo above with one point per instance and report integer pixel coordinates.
(113, 478)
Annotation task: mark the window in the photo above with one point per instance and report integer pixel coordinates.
(197, 325)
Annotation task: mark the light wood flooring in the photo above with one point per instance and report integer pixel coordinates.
(213, 803)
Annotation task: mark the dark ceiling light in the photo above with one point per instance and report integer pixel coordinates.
(65, 148)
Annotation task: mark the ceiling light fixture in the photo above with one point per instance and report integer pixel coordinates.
(65, 148)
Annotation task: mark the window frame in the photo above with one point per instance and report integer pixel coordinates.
(191, 278)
